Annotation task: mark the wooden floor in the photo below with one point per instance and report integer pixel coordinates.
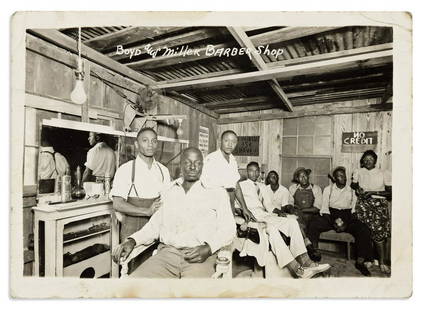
(340, 266)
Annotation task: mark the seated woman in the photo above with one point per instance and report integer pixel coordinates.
(305, 200)
(373, 187)
(336, 213)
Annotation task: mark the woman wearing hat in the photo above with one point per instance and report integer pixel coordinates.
(373, 187)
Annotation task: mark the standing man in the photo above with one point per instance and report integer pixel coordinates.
(138, 184)
(100, 159)
(51, 164)
(336, 213)
(295, 255)
(221, 170)
(193, 223)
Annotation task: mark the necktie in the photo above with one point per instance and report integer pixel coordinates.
(259, 194)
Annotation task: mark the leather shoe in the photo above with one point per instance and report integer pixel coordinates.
(314, 254)
(363, 269)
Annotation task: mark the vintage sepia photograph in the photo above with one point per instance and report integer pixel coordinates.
(218, 151)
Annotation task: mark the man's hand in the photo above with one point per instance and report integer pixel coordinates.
(123, 250)
(248, 216)
(156, 205)
(197, 254)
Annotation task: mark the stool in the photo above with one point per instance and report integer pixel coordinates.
(332, 235)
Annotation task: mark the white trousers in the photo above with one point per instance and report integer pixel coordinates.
(289, 227)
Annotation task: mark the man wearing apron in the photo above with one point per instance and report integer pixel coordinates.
(306, 199)
(138, 184)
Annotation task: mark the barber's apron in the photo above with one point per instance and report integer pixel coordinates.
(304, 198)
(131, 224)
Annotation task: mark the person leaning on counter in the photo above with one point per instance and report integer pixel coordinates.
(100, 159)
(221, 170)
(138, 183)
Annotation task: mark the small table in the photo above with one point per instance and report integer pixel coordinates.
(49, 222)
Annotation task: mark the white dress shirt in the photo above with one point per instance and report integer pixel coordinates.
(279, 198)
(338, 198)
(316, 190)
(372, 180)
(51, 164)
(149, 182)
(101, 160)
(260, 203)
(202, 215)
(218, 172)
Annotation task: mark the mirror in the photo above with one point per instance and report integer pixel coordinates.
(65, 151)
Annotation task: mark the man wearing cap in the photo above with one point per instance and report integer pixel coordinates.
(294, 256)
(338, 204)
(306, 198)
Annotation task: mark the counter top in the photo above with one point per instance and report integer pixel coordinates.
(60, 207)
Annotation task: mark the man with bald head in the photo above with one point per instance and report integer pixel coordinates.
(193, 223)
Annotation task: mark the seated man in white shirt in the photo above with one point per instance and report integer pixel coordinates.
(277, 194)
(51, 164)
(193, 223)
(293, 256)
(336, 213)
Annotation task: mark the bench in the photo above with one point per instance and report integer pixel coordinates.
(332, 235)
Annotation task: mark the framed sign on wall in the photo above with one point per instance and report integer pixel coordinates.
(247, 146)
(358, 141)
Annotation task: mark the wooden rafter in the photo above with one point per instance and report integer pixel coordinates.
(174, 59)
(127, 36)
(62, 40)
(170, 42)
(328, 56)
(315, 111)
(320, 67)
(242, 38)
(286, 34)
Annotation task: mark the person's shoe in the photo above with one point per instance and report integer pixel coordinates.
(363, 269)
(309, 272)
(385, 269)
(313, 253)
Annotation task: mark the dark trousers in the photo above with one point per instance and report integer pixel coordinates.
(360, 231)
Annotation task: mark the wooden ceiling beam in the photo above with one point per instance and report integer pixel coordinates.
(191, 104)
(63, 41)
(327, 56)
(176, 40)
(127, 36)
(175, 58)
(286, 34)
(312, 111)
(244, 41)
(203, 76)
(319, 67)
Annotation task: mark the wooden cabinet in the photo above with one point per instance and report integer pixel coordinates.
(75, 239)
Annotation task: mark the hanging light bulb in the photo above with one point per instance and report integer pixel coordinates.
(179, 130)
(78, 95)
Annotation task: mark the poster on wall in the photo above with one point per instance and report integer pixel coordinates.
(247, 146)
(358, 141)
(203, 140)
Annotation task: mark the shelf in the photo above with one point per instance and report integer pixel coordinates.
(87, 236)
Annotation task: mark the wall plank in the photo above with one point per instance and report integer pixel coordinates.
(271, 133)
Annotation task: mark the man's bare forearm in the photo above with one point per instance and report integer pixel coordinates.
(121, 205)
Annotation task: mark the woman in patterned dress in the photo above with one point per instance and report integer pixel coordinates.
(373, 187)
